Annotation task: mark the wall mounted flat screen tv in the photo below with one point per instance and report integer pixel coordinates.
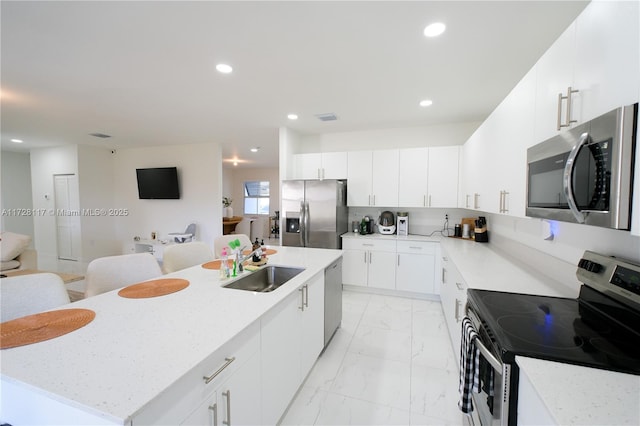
(160, 183)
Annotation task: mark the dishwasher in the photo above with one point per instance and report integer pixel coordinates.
(332, 299)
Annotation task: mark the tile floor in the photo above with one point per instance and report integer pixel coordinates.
(391, 363)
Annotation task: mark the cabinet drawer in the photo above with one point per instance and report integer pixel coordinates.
(369, 244)
(178, 401)
(417, 247)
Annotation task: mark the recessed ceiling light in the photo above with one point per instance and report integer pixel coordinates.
(292, 117)
(256, 149)
(16, 140)
(435, 29)
(426, 103)
(224, 68)
(235, 163)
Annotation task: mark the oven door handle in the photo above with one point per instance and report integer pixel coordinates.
(497, 365)
(568, 175)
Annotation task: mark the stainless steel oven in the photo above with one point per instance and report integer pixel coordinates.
(584, 175)
(599, 329)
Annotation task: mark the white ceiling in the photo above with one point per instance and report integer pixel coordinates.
(144, 72)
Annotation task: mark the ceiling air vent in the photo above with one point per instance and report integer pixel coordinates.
(100, 135)
(327, 117)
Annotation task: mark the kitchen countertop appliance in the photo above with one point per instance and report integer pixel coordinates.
(314, 213)
(387, 223)
(584, 175)
(403, 223)
(599, 329)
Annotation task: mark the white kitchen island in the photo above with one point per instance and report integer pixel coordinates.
(142, 361)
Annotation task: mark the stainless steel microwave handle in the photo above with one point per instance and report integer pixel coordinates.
(495, 363)
(568, 174)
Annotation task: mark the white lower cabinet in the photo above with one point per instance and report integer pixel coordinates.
(235, 401)
(416, 267)
(391, 264)
(234, 368)
(369, 262)
(453, 297)
(292, 339)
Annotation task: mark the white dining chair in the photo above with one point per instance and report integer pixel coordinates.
(223, 241)
(113, 272)
(180, 256)
(24, 295)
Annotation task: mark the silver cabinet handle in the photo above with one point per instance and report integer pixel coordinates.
(369, 199)
(367, 244)
(214, 408)
(369, 257)
(475, 200)
(208, 380)
(429, 205)
(374, 199)
(457, 312)
(415, 248)
(466, 202)
(319, 175)
(560, 99)
(228, 395)
(306, 295)
(301, 290)
(365, 257)
(443, 276)
(424, 201)
(398, 259)
(460, 286)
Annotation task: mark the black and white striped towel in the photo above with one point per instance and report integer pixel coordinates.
(469, 366)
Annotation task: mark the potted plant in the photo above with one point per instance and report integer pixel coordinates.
(227, 210)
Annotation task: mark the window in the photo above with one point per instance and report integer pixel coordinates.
(256, 197)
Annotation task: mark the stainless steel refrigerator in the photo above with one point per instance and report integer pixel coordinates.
(314, 213)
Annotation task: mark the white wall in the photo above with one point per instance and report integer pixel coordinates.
(200, 174)
(97, 191)
(410, 137)
(45, 163)
(289, 140)
(16, 192)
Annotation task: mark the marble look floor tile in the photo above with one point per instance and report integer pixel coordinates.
(375, 380)
(434, 392)
(432, 351)
(422, 420)
(420, 305)
(429, 323)
(392, 302)
(305, 408)
(343, 410)
(329, 362)
(388, 316)
(394, 345)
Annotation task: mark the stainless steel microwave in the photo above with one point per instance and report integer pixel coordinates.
(585, 174)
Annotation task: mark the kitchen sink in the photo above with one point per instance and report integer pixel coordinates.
(266, 279)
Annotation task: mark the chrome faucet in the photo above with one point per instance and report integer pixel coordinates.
(245, 258)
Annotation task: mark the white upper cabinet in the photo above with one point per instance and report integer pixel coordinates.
(607, 60)
(443, 169)
(385, 178)
(598, 55)
(413, 178)
(359, 172)
(554, 77)
(325, 165)
(373, 178)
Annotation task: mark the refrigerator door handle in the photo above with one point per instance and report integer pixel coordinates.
(306, 223)
(301, 224)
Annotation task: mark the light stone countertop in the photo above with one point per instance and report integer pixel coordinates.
(576, 395)
(136, 348)
(573, 394)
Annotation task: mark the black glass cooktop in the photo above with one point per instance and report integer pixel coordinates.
(593, 330)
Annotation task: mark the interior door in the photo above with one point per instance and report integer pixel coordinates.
(67, 202)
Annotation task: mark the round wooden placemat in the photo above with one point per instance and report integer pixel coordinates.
(154, 288)
(215, 264)
(43, 326)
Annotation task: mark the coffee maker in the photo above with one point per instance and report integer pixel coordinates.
(402, 226)
(386, 223)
